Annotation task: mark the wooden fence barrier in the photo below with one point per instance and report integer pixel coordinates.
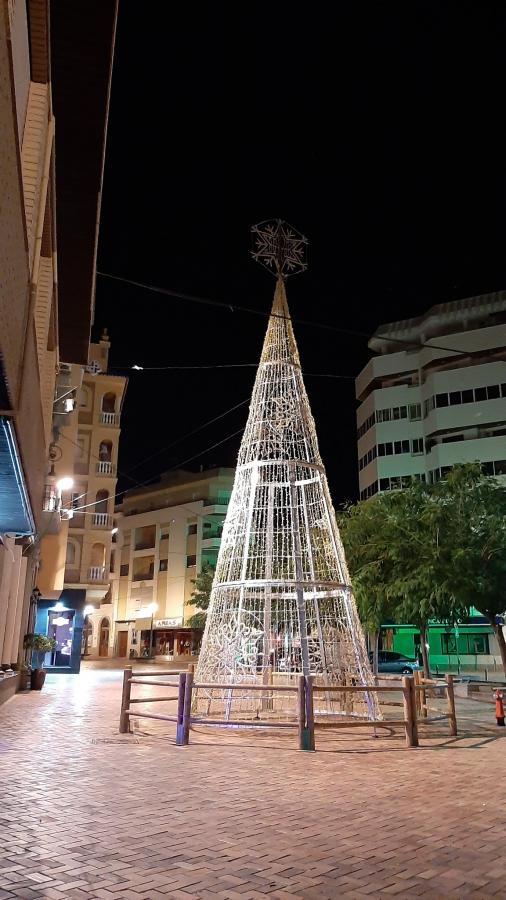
(425, 686)
(414, 704)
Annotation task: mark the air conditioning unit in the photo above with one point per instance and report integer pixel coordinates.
(66, 514)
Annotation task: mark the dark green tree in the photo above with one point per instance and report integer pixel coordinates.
(474, 509)
(401, 559)
(201, 595)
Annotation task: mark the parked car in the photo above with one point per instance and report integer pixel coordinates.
(388, 661)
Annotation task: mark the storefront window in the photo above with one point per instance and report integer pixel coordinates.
(60, 627)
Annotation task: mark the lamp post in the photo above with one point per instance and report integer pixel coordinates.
(151, 609)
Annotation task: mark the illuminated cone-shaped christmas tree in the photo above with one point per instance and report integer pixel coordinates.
(281, 602)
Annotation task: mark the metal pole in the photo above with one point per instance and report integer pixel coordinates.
(299, 592)
(151, 638)
(180, 709)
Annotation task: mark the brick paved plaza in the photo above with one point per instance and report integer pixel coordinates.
(87, 813)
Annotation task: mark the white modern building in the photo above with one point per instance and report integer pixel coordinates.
(434, 395)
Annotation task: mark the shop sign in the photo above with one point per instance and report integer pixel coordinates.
(168, 623)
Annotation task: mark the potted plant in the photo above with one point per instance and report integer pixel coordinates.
(25, 672)
(39, 644)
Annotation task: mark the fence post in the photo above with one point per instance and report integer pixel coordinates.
(301, 710)
(124, 719)
(450, 695)
(308, 734)
(180, 708)
(412, 694)
(187, 707)
(421, 696)
(409, 711)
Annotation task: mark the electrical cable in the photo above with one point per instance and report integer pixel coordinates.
(234, 307)
(149, 480)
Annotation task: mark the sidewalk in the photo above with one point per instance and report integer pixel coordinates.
(88, 813)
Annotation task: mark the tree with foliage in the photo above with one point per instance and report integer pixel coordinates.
(399, 559)
(360, 526)
(201, 596)
(474, 509)
(431, 552)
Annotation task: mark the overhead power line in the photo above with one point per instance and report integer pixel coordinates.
(234, 307)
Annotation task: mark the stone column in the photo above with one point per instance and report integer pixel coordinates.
(20, 607)
(11, 608)
(6, 563)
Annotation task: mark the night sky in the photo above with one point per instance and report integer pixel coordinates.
(376, 129)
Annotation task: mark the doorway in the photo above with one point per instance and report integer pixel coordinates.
(103, 647)
(122, 643)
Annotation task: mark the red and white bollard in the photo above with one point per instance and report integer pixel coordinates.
(499, 707)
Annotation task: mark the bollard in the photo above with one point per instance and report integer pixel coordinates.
(499, 707)
(124, 719)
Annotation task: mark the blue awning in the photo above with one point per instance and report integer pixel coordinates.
(15, 509)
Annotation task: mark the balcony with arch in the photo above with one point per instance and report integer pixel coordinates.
(72, 561)
(101, 518)
(108, 413)
(105, 465)
(97, 571)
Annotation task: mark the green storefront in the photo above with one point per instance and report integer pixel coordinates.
(468, 645)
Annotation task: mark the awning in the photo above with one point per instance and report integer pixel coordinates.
(15, 509)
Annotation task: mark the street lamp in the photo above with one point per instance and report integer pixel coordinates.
(64, 484)
(151, 609)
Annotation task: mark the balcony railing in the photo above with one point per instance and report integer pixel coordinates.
(216, 501)
(101, 520)
(105, 467)
(109, 418)
(97, 573)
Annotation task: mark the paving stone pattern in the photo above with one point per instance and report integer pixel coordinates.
(87, 813)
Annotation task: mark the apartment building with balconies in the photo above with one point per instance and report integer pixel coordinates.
(166, 532)
(88, 442)
(434, 395)
(53, 118)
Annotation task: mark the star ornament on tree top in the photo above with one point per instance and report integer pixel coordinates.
(279, 247)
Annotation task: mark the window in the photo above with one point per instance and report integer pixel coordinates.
(388, 449)
(487, 468)
(441, 400)
(452, 438)
(493, 392)
(503, 390)
(77, 499)
(71, 554)
(465, 644)
(467, 396)
(384, 484)
(428, 406)
(455, 398)
(415, 412)
(164, 564)
(480, 393)
(417, 445)
(192, 529)
(500, 467)
(191, 561)
(369, 491)
(123, 569)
